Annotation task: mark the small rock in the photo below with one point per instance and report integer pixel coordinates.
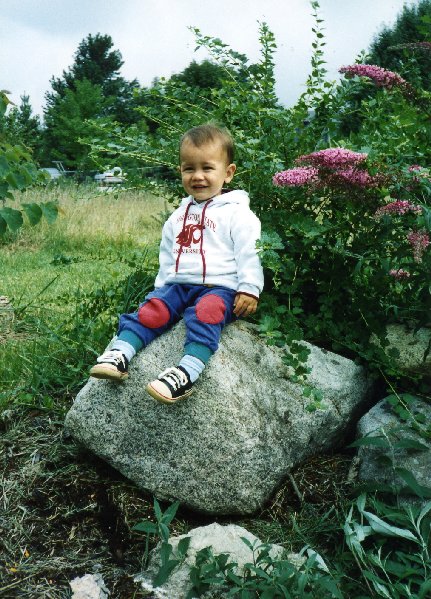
(222, 539)
(373, 461)
(89, 586)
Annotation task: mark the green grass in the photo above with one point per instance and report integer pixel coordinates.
(67, 283)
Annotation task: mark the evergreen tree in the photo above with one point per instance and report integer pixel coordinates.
(392, 47)
(21, 126)
(95, 71)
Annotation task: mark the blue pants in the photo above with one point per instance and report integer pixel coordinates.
(206, 311)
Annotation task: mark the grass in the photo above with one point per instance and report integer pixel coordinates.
(64, 512)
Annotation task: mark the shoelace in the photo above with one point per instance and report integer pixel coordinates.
(175, 377)
(113, 357)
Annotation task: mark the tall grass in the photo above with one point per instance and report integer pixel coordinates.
(68, 282)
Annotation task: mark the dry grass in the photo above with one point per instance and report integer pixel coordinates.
(86, 213)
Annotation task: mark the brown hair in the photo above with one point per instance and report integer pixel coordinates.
(207, 133)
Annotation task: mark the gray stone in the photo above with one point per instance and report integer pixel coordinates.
(89, 586)
(222, 540)
(228, 447)
(413, 347)
(377, 464)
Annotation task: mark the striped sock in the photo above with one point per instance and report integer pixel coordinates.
(125, 348)
(193, 366)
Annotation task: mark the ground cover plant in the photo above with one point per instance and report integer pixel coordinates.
(342, 184)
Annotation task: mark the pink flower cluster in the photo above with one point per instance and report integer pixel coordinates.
(419, 240)
(332, 166)
(333, 158)
(380, 76)
(359, 178)
(399, 207)
(399, 273)
(413, 46)
(296, 176)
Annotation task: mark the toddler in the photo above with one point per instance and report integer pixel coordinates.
(209, 269)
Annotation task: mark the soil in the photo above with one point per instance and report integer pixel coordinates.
(65, 513)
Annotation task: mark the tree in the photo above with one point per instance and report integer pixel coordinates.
(20, 126)
(392, 47)
(69, 125)
(95, 71)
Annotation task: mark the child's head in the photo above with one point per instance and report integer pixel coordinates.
(206, 161)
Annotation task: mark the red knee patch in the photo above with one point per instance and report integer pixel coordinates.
(210, 309)
(153, 314)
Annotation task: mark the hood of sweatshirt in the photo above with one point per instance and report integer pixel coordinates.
(236, 196)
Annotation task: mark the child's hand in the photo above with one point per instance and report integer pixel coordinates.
(244, 305)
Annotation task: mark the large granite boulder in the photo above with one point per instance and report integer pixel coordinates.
(379, 464)
(228, 447)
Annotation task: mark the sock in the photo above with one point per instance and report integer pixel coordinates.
(193, 366)
(125, 348)
(131, 338)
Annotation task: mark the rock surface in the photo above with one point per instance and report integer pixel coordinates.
(228, 447)
(374, 462)
(413, 348)
(89, 586)
(222, 539)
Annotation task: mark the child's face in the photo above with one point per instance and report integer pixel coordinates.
(204, 169)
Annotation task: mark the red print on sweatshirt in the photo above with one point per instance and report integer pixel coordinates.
(190, 234)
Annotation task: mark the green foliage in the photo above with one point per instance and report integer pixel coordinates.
(18, 172)
(56, 362)
(388, 48)
(327, 253)
(390, 547)
(160, 530)
(90, 89)
(20, 126)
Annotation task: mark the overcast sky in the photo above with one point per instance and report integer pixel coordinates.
(40, 37)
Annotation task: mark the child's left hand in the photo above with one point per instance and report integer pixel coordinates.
(244, 305)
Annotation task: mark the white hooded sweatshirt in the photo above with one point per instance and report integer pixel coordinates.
(212, 243)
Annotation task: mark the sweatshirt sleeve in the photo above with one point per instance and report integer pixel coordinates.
(245, 231)
(166, 255)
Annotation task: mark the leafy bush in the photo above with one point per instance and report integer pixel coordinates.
(17, 172)
(342, 255)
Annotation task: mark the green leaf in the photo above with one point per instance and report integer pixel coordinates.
(148, 527)
(381, 527)
(169, 514)
(411, 444)
(3, 225)
(12, 217)
(4, 167)
(183, 546)
(371, 441)
(50, 211)
(33, 212)
(412, 483)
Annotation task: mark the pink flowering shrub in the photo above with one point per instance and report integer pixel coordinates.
(332, 158)
(399, 273)
(381, 77)
(293, 177)
(332, 167)
(419, 240)
(398, 207)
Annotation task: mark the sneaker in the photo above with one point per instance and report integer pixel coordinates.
(111, 365)
(173, 384)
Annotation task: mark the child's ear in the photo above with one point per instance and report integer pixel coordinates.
(230, 171)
